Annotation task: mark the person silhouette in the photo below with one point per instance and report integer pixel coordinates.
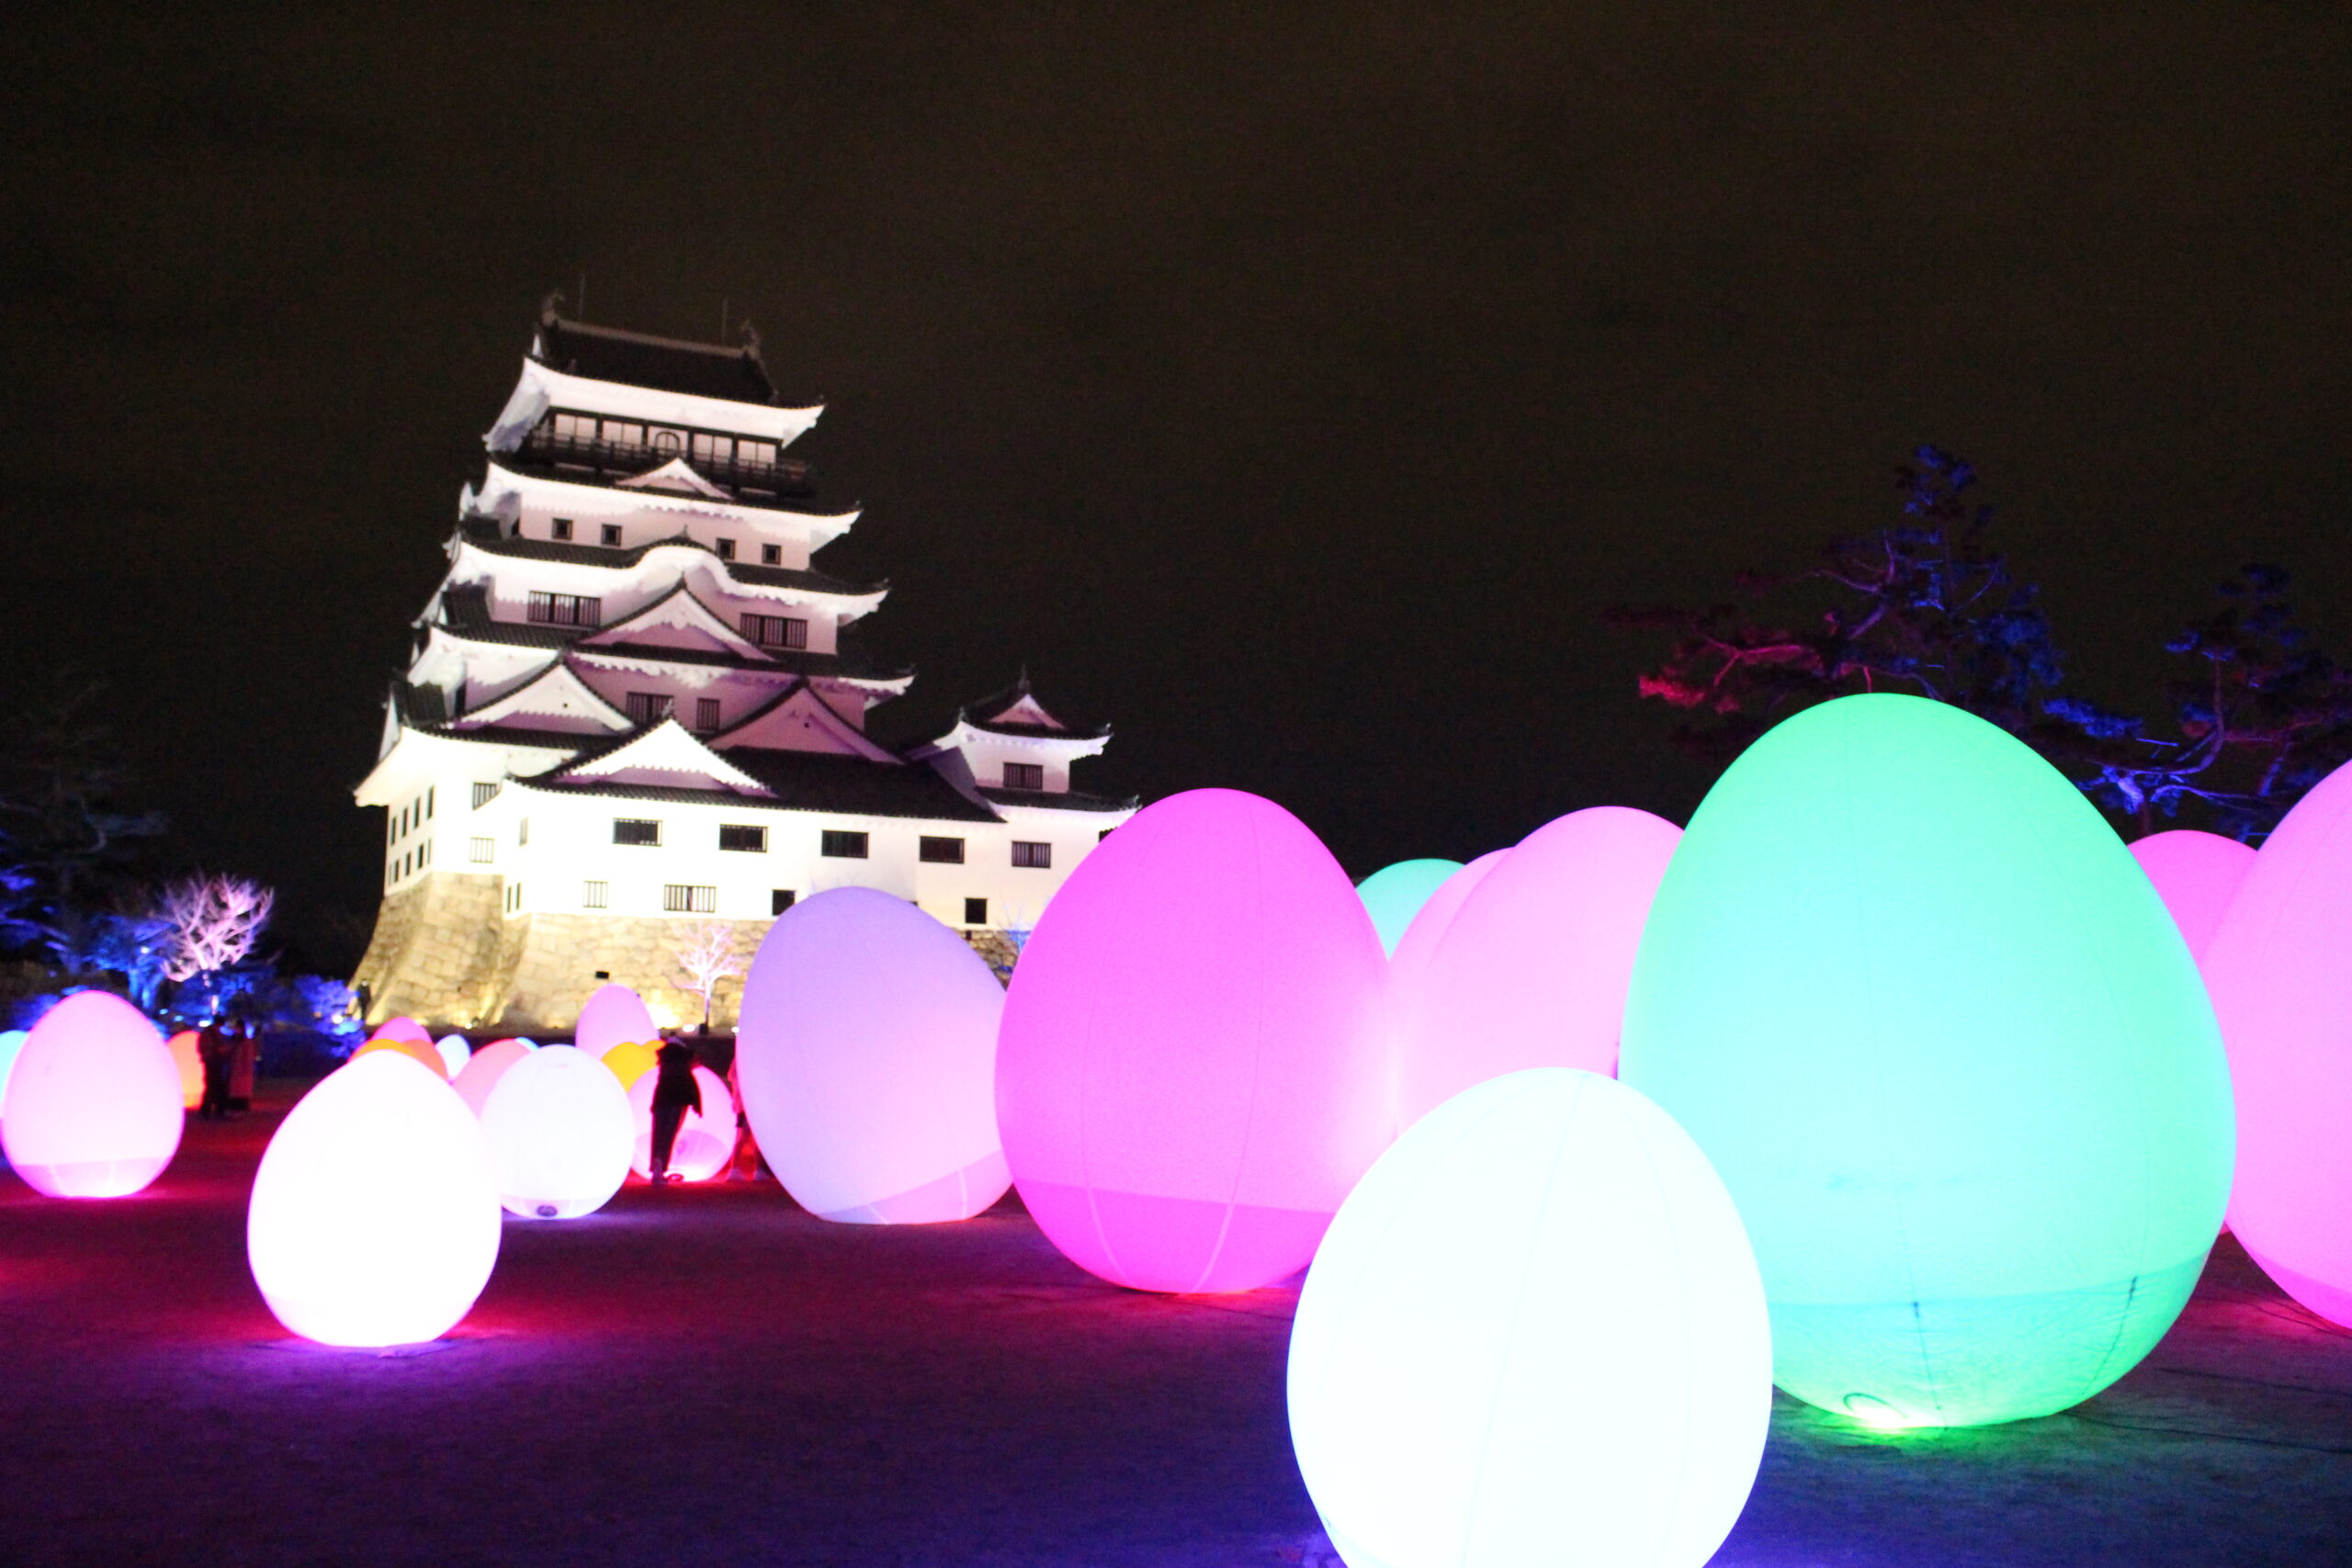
(674, 1093)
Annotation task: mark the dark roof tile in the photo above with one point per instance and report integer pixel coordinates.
(663, 363)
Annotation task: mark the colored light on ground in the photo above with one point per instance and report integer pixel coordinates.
(1395, 893)
(373, 1218)
(406, 1029)
(2196, 874)
(454, 1053)
(1935, 1031)
(93, 1105)
(426, 1055)
(613, 1015)
(560, 1130)
(1188, 1074)
(1531, 970)
(866, 1052)
(705, 1137)
(189, 1058)
(2277, 969)
(1533, 1334)
(629, 1060)
(481, 1074)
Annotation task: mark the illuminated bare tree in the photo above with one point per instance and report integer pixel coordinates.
(211, 923)
(707, 955)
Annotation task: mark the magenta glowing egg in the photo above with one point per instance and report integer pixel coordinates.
(706, 1138)
(560, 1130)
(613, 1015)
(866, 1052)
(2196, 874)
(93, 1107)
(2276, 971)
(373, 1218)
(1531, 971)
(1188, 1076)
(481, 1074)
(405, 1030)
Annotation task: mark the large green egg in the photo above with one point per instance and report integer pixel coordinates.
(1929, 1021)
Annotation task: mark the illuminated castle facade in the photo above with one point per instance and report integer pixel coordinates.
(630, 711)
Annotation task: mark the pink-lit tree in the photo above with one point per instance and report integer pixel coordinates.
(707, 955)
(211, 923)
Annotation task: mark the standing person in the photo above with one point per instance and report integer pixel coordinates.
(674, 1093)
(213, 1049)
(244, 1063)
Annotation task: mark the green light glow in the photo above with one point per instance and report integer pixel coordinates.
(1952, 1058)
(1395, 893)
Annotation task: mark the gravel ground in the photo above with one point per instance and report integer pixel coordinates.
(708, 1376)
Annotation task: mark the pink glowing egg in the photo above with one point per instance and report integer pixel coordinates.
(2196, 874)
(2277, 970)
(93, 1107)
(190, 1061)
(482, 1069)
(403, 1028)
(1532, 969)
(1189, 1073)
(374, 1218)
(613, 1015)
(866, 1051)
(706, 1138)
(1401, 984)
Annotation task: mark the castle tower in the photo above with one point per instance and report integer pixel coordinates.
(630, 711)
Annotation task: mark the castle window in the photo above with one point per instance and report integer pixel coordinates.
(565, 610)
(941, 852)
(726, 549)
(610, 534)
(561, 528)
(483, 850)
(633, 830)
(779, 900)
(666, 444)
(708, 448)
(428, 805)
(762, 453)
(682, 898)
(1025, 775)
(648, 707)
(706, 713)
(737, 836)
(975, 911)
(515, 898)
(1038, 856)
(483, 795)
(575, 427)
(595, 894)
(523, 833)
(841, 845)
(776, 631)
(621, 433)
(771, 555)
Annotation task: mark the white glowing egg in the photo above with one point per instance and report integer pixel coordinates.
(93, 1105)
(455, 1050)
(560, 1132)
(705, 1137)
(375, 1217)
(613, 1014)
(866, 1051)
(482, 1070)
(1534, 1333)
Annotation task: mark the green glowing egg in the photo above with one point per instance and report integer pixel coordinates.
(1395, 893)
(1952, 1058)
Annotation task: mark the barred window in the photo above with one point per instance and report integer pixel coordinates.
(942, 851)
(631, 831)
(559, 528)
(706, 713)
(683, 899)
(515, 898)
(771, 555)
(779, 900)
(975, 911)
(648, 707)
(1025, 775)
(841, 845)
(595, 894)
(523, 833)
(738, 836)
(484, 850)
(1031, 854)
(726, 549)
(610, 534)
(484, 793)
(776, 631)
(565, 610)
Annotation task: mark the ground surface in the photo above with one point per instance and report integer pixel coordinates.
(709, 1377)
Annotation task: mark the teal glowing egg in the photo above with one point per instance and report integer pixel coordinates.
(1395, 893)
(1952, 1058)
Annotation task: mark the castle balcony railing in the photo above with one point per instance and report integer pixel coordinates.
(786, 476)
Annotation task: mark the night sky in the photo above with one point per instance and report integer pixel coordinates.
(1292, 386)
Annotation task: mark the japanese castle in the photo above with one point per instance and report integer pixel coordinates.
(631, 713)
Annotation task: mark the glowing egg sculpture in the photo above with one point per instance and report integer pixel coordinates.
(2196, 874)
(373, 1218)
(190, 1061)
(423, 1053)
(2277, 971)
(1950, 1055)
(613, 1014)
(482, 1069)
(11, 1042)
(705, 1137)
(454, 1050)
(866, 1052)
(1395, 893)
(1533, 1334)
(1189, 1073)
(560, 1130)
(629, 1061)
(1531, 970)
(93, 1107)
(406, 1029)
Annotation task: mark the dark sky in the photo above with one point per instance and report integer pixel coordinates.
(1291, 385)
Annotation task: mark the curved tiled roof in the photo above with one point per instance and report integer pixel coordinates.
(488, 535)
(661, 364)
(1060, 800)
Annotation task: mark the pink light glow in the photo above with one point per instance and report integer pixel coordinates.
(2276, 969)
(1531, 971)
(706, 1138)
(2196, 874)
(867, 1056)
(403, 1028)
(93, 1107)
(1188, 1076)
(613, 1015)
(482, 1069)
